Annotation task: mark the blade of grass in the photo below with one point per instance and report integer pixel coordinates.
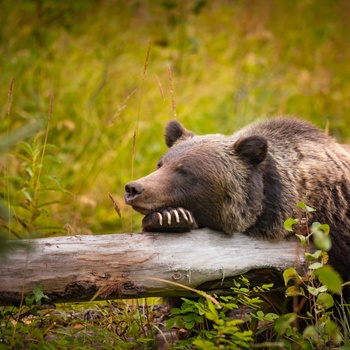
(172, 92)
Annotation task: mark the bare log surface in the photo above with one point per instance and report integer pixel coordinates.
(77, 268)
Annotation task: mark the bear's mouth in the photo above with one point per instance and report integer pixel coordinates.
(142, 210)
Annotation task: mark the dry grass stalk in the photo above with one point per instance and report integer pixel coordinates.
(139, 110)
(133, 151)
(146, 61)
(10, 96)
(160, 88)
(115, 204)
(121, 107)
(172, 92)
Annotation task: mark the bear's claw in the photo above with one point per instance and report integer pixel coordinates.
(169, 220)
(160, 218)
(176, 216)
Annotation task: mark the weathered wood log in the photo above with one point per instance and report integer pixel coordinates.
(77, 268)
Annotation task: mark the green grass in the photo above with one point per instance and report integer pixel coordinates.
(232, 62)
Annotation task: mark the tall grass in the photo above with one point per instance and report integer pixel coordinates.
(231, 63)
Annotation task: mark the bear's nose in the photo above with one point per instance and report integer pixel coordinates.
(133, 190)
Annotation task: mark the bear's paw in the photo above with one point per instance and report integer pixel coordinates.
(169, 220)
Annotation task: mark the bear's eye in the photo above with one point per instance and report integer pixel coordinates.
(182, 171)
(159, 164)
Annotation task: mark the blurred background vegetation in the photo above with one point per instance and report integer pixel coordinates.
(92, 74)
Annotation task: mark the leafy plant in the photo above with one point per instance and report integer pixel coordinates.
(103, 325)
(315, 289)
(210, 326)
(38, 189)
(247, 317)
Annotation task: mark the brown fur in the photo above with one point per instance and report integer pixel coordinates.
(250, 181)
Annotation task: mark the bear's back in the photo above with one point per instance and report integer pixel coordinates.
(288, 130)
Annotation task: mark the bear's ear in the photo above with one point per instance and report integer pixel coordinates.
(252, 149)
(174, 131)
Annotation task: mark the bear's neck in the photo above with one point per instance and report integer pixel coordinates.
(269, 222)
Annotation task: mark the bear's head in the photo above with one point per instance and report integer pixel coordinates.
(219, 179)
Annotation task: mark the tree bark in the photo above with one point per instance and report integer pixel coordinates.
(78, 268)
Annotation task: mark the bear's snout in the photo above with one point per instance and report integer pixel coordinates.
(133, 190)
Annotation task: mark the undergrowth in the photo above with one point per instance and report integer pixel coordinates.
(311, 320)
(313, 315)
(104, 325)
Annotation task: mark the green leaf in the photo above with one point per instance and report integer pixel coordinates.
(316, 291)
(204, 344)
(189, 325)
(310, 332)
(260, 314)
(332, 330)
(315, 266)
(284, 322)
(314, 256)
(325, 300)
(294, 291)
(305, 207)
(170, 323)
(323, 227)
(27, 194)
(176, 311)
(271, 316)
(29, 300)
(289, 274)
(267, 286)
(322, 240)
(313, 290)
(26, 148)
(211, 307)
(188, 318)
(198, 318)
(288, 224)
(303, 240)
(209, 316)
(53, 159)
(39, 294)
(331, 278)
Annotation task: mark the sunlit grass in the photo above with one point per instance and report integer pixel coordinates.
(231, 63)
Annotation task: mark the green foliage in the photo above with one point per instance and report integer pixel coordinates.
(246, 319)
(104, 325)
(38, 190)
(212, 327)
(330, 278)
(37, 296)
(315, 288)
(311, 325)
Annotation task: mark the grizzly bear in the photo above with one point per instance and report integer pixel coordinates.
(249, 182)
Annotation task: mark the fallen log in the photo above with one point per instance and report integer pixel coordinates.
(78, 268)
